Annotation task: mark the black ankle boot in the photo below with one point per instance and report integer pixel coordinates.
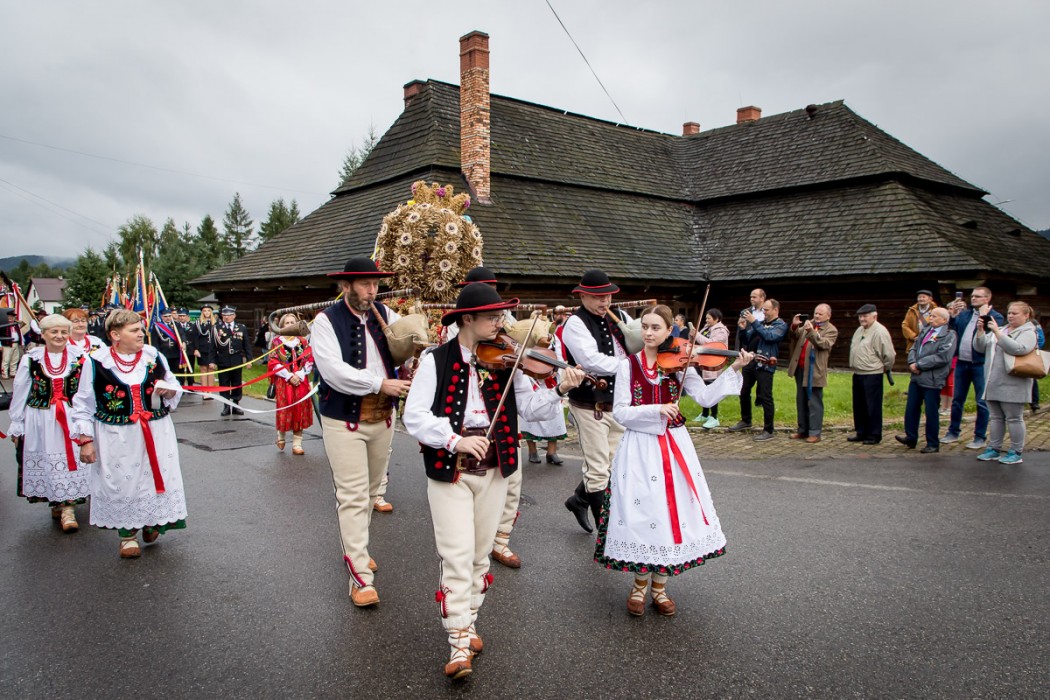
(577, 504)
(595, 500)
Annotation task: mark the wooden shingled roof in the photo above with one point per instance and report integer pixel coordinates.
(822, 193)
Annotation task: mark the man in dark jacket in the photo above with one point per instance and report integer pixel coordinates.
(762, 337)
(929, 360)
(969, 369)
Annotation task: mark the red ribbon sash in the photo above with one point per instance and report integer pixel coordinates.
(668, 446)
(59, 401)
(142, 416)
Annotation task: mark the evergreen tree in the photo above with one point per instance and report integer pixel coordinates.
(237, 229)
(280, 217)
(356, 155)
(21, 272)
(138, 234)
(208, 245)
(111, 254)
(86, 280)
(169, 235)
(177, 265)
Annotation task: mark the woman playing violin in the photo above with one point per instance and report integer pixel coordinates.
(658, 519)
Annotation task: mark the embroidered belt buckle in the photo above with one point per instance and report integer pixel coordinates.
(469, 463)
(375, 408)
(599, 408)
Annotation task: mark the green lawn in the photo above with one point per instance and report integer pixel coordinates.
(838, 401)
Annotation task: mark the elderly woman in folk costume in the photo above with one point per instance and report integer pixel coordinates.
(78, 332)
(658, 519)
(291, 361)
(136, 483)
(41, 424)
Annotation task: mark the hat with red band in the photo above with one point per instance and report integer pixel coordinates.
(475, 298)
(595, 282)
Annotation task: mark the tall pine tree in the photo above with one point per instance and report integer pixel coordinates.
(138, 234)
(280, 217)
(356, 155)
(208, 245)
(237, 229)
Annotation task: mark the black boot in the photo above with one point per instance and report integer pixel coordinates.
(595, 500)
(225, 410)
(237, 411)
(577, 505)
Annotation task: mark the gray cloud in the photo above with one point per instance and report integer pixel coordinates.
(274, 94)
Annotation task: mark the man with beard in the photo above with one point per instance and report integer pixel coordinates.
(357, 383)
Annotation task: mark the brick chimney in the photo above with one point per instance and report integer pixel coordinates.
(474, 142)
(748, 114)
(412, 89)
(690, 128)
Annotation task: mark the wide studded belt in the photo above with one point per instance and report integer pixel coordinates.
(469, 463)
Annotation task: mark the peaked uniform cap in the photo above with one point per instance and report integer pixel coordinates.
(595, 282)
(477, 297)
(360, 268)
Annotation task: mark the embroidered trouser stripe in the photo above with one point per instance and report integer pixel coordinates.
(358, 459)
(465, 515)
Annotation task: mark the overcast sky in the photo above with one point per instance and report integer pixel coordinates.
(265, 97)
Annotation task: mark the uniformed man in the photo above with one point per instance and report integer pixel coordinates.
(164, 339)
(97, 323)
(231, 352)
(186, 336)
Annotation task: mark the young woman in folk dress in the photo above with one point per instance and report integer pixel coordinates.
(41, 424)
(292, 362)
(128, 436)
(658, 519)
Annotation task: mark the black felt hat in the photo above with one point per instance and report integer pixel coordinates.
(479, 274)
(475, 298)
(360, 268)
(866, 309)
(595, 282)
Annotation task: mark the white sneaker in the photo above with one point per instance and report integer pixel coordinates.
(949, 437)
(976, 444)
(711, 422)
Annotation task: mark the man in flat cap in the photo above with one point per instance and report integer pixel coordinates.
(871, 354)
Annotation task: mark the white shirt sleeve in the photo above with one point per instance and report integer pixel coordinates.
(643, 419)
(420, 421)
(171, 379)
(19, 396)
(329, 359)
(708, 395)
(584, 349)
(534, 405)
(84, 402)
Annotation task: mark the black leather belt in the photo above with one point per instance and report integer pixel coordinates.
(599, 408)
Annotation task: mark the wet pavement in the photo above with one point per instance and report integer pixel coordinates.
(850, 572)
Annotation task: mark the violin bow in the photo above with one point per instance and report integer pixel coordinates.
(510, 382)
(692, 343)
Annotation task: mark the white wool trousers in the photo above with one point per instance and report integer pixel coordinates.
(599, 440)
(466, 514)
(359, 460)
(512, 501)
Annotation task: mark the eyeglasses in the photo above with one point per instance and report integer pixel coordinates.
(489, 318)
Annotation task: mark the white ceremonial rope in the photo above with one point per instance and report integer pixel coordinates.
(221, 399)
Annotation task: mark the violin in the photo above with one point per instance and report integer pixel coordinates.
(712, 356)
(538, 363)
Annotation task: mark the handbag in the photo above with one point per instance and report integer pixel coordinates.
(271, 391)
(1034, 365)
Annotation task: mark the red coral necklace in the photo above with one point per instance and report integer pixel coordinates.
(60, 370)
(125, 366)
(649, 372)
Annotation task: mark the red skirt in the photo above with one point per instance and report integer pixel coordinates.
(298, 417)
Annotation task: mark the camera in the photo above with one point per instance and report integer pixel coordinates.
(803, 317)
(987, 318)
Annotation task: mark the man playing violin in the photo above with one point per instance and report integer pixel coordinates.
(593, 341)
(470, 451)
(357, 384)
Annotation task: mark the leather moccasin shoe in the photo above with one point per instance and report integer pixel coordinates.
(812, 439)
(506, 557)
(364, 597)
(372, 566)
(904, 441)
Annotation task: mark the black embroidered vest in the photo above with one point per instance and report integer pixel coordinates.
(604, 331)
(350, 333)
(113, 401)
(645, 393)
(450, 400)
(42, 388)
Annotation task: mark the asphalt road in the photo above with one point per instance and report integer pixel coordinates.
(905, 578)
